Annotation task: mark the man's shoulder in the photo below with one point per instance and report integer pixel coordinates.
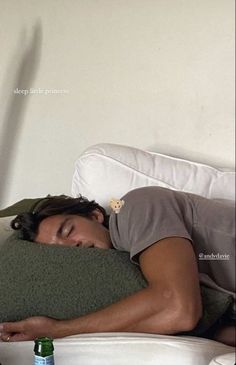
(149, 192)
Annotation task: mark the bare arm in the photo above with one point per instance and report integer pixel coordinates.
(170, 304)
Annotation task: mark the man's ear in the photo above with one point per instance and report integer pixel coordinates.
(97, 215)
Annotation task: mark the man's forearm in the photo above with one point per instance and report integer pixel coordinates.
(140, 312)
(170, 304)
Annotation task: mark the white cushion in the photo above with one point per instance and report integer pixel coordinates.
(105, 170)
(226, 359)
(120, 349)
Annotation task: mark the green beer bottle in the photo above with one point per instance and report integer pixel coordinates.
(43, 350)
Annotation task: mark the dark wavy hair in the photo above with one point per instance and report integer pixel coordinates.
(28, 223)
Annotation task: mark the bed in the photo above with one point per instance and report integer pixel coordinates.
(108, 171)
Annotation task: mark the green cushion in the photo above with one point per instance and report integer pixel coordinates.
(62, 282)
(22, 206)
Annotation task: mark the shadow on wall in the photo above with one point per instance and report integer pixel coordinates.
(20, 75)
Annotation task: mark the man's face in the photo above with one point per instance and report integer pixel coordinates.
(74, 230)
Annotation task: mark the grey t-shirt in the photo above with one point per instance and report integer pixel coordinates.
(153, 213)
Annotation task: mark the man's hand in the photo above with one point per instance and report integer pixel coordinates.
(29, 329)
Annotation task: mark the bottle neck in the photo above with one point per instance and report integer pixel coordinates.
(43, 347)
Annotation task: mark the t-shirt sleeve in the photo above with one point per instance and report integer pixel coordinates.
(149, 215)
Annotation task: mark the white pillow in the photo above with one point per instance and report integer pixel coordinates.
(107, 170)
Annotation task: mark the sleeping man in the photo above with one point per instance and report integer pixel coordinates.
(178, 240)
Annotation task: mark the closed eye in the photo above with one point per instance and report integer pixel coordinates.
(70, 231)
(65, 229)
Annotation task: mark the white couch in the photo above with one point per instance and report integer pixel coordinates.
(105, 171)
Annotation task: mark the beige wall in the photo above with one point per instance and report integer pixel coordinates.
(154, 74)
